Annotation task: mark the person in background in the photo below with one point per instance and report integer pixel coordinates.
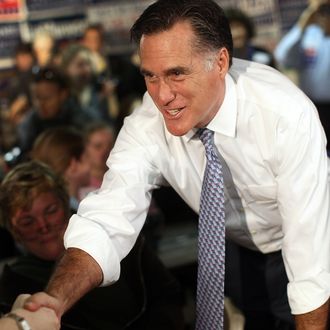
(99, 139)
(15, 102)
(20, 99)
(131, 86)
(272, 150)
(53, 107)
(243, 31)
(93, 39)
(306, 49)
(43, 45)
(35, 208)
(94, 95)
(62, 148)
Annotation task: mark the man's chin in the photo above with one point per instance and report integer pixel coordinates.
(177, 131)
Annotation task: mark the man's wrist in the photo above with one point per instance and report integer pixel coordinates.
(21, 323)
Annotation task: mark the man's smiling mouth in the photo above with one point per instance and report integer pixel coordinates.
(174, 112)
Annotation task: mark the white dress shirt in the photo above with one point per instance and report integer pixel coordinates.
(269, 135)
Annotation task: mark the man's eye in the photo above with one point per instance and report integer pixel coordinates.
(150, 77)
(177, 75)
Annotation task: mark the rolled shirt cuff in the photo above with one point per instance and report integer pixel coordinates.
(95, 241)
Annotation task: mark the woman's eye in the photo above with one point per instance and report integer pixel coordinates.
(25, 222)
(51, 209)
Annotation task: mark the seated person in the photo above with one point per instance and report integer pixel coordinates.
(99, 139)
(52, 107)
(34, 206)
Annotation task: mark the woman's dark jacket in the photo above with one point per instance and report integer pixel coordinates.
(146, 296)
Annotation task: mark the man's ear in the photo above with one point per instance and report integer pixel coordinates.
(223, 61)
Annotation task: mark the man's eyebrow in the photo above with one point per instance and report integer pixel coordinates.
(180, 69)
(168, 72)
(145, 72)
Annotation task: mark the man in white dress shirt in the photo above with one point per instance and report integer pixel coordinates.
(270, 141)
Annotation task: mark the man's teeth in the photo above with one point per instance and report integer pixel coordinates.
(174, 112)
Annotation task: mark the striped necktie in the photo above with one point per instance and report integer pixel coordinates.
(211, 241)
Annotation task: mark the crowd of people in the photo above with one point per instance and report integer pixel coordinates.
(65, 87)
(65, 113)
(69, 84)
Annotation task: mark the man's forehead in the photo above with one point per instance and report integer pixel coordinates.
(166, 63)
(166, 54)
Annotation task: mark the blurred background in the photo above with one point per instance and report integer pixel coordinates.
(48, 26)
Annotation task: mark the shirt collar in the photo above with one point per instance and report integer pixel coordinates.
(225, 120)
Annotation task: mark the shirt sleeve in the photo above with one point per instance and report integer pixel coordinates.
(109, 220)
(303, 201)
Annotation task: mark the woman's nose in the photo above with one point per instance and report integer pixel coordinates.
(41, 224)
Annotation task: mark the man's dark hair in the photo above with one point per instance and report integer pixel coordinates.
(207, 19)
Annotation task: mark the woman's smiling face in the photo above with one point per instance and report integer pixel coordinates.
(40, 228)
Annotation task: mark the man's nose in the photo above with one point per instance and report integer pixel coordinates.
(165, 92)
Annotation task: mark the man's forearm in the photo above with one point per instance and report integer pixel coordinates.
(75, 275)
(314, 320)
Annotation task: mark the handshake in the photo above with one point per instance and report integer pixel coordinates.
(23, 319)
